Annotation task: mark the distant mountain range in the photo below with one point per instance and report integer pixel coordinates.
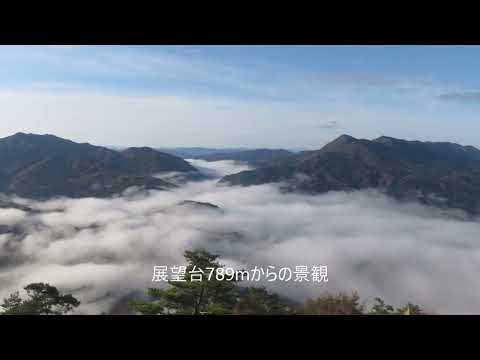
(257, 157)
(196, 152)
(253, 157)
(43, 166)
(435, 173)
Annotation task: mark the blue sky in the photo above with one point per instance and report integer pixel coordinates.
(245, 96)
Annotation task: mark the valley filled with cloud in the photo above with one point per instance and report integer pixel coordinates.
(103, 250)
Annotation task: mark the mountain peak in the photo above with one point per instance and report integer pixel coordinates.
(22, 134)
(25, 136)
(42, 166)
(149, 161)
(404, 169)
(385, 139)
(340, 142)
(19, 135)
(344, 138)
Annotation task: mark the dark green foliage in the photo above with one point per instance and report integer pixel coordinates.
(192, 297)
(257, 301)
(44, 299)
(341, 304)
(214, 297)
(344, 304)
(12, 304)
(380, 308)
(209, 297)
(410, 309)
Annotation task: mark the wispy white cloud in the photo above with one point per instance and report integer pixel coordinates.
(461, 96)
(195, 73)
(214, 121)
(112, 95)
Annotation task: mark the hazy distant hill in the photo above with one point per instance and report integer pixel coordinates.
(253, 157)
(195, 152)
(436, 173)
(42, 166)
(148, 161)
(257, 157)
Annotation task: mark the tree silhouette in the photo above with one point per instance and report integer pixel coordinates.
(43, 299)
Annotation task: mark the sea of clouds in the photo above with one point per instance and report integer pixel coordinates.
(103, 250)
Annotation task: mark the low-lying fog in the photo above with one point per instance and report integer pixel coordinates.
(103, 249)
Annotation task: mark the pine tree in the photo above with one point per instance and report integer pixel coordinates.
(44, 299)
(208, 296)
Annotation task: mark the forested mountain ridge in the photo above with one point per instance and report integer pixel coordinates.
(43, 166)
(436, 173)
